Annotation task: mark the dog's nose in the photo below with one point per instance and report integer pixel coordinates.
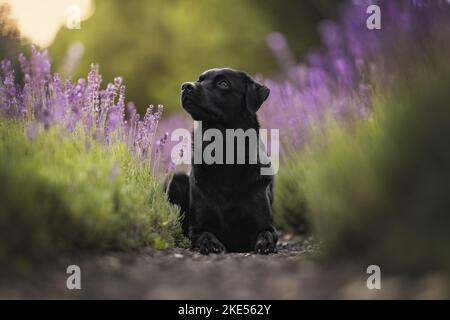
(187, 87)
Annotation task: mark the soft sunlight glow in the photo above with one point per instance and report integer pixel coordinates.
(39, 21)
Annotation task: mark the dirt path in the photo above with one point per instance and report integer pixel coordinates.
(183, 274)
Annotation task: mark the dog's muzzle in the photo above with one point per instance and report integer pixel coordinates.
(187, 90)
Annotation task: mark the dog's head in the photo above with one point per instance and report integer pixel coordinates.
(224, 96)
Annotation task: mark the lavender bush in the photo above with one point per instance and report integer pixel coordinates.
(362, 121)
(79, 166)
(45, 100)
(339, 79)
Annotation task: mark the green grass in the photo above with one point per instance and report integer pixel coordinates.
(379, 191)
(290, 204)
(60, 193)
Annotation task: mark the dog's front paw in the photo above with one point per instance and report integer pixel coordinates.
(208, 243)
(266, 243)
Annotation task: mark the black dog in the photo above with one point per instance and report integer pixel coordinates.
(226, 207)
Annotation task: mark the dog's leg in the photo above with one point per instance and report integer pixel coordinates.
(266, 242)
(177, 190)
(208, 243)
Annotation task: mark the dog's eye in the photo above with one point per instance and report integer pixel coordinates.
(223, 84)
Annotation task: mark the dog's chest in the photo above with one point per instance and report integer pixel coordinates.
(226, 175)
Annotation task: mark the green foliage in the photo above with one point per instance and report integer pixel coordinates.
(390, 187)
(290, 203)
(64, 193)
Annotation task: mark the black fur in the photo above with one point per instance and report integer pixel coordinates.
(226, 207)
(178, 193)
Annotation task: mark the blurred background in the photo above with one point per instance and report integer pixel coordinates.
(156, 45)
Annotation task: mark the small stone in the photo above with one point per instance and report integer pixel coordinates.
(178, 255)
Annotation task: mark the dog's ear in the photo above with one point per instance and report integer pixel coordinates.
(255, 94)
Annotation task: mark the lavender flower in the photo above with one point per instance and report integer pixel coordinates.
(8, 95)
